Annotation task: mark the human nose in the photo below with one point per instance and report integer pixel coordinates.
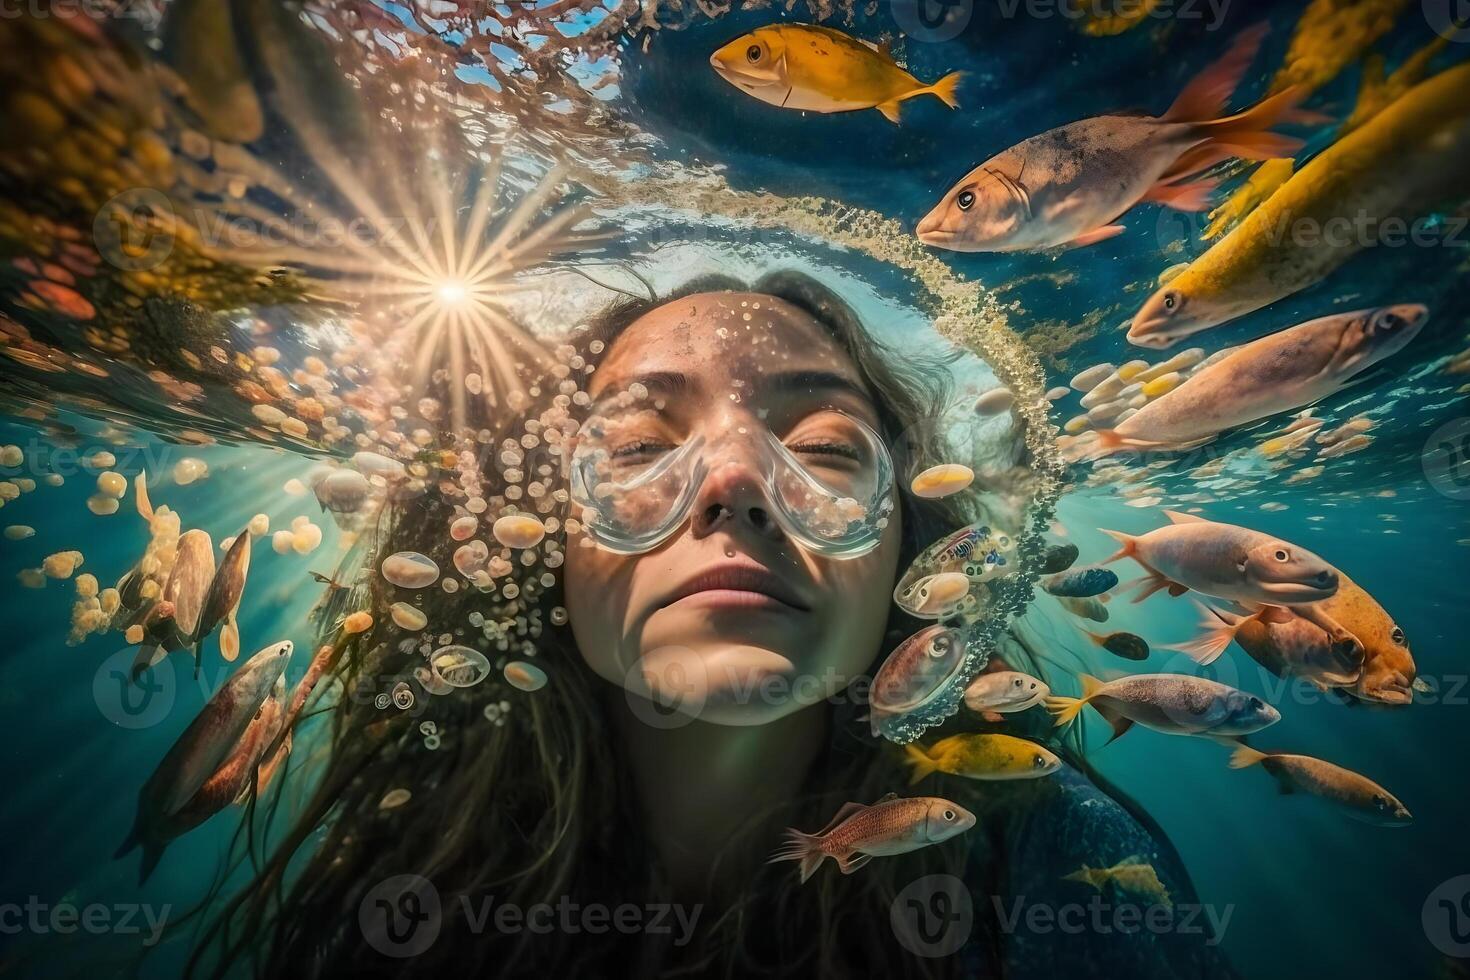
(732, 496)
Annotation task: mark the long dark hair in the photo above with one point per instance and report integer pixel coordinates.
(532, 804)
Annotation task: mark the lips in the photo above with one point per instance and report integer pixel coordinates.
(738, 583)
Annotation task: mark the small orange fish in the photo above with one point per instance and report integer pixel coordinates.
(890, 826)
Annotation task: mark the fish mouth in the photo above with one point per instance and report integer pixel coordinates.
(1151, 332)
(1298, 592)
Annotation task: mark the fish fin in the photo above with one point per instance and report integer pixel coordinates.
(1284, 786)
(140, 496)
(1207, 647)
(1421, 686)
(994, 717)
(944, 90)
(1116, 721)
(889, 110)
(1149, 584)
(1096, 235)
(806, 849)
(843, 812)
(1193, 196)
(1179, 517)
(923, 765)
(1206, 96)
(1244, 756)
(1128, 542)
(1248, 136)
(885, 798)
(852, 862)
(1065, 709)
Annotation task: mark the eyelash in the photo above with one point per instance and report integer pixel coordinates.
(826, 448)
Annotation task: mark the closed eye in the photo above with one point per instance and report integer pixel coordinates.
(828, 449)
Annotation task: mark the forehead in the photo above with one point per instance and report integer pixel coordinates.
(716, 339)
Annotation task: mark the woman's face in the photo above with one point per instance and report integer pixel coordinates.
(729, 620)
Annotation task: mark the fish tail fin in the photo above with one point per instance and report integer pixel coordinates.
(1206, 648)
(1065, 709)
(806, 849)
(1244, 756)
(1205, 97)
(922, 764)
(1248, 135)
(946, 89)
(1128, 545)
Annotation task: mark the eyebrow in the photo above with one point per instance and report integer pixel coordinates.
(814, 381)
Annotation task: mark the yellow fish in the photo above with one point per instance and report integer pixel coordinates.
(1130, 875)
(817, 69)
(1404, 161)
(983, 756)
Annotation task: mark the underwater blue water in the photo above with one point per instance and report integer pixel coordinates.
(1309, 892)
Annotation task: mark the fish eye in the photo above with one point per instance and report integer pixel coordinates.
(1389, 321)
(949, 814)
(1039, 762)
(1016, 682)
(753, 53)
(1397, 635)
(1380, 802)
(1172, 301)
(1256, 704)
(1283, 555)
(966, 200)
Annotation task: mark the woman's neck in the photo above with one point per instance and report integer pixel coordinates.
(714, 794)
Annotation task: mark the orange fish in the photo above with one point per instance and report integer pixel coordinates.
(860, 833)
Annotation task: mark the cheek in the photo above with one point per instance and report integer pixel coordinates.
(858, 602)
(597, 584)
